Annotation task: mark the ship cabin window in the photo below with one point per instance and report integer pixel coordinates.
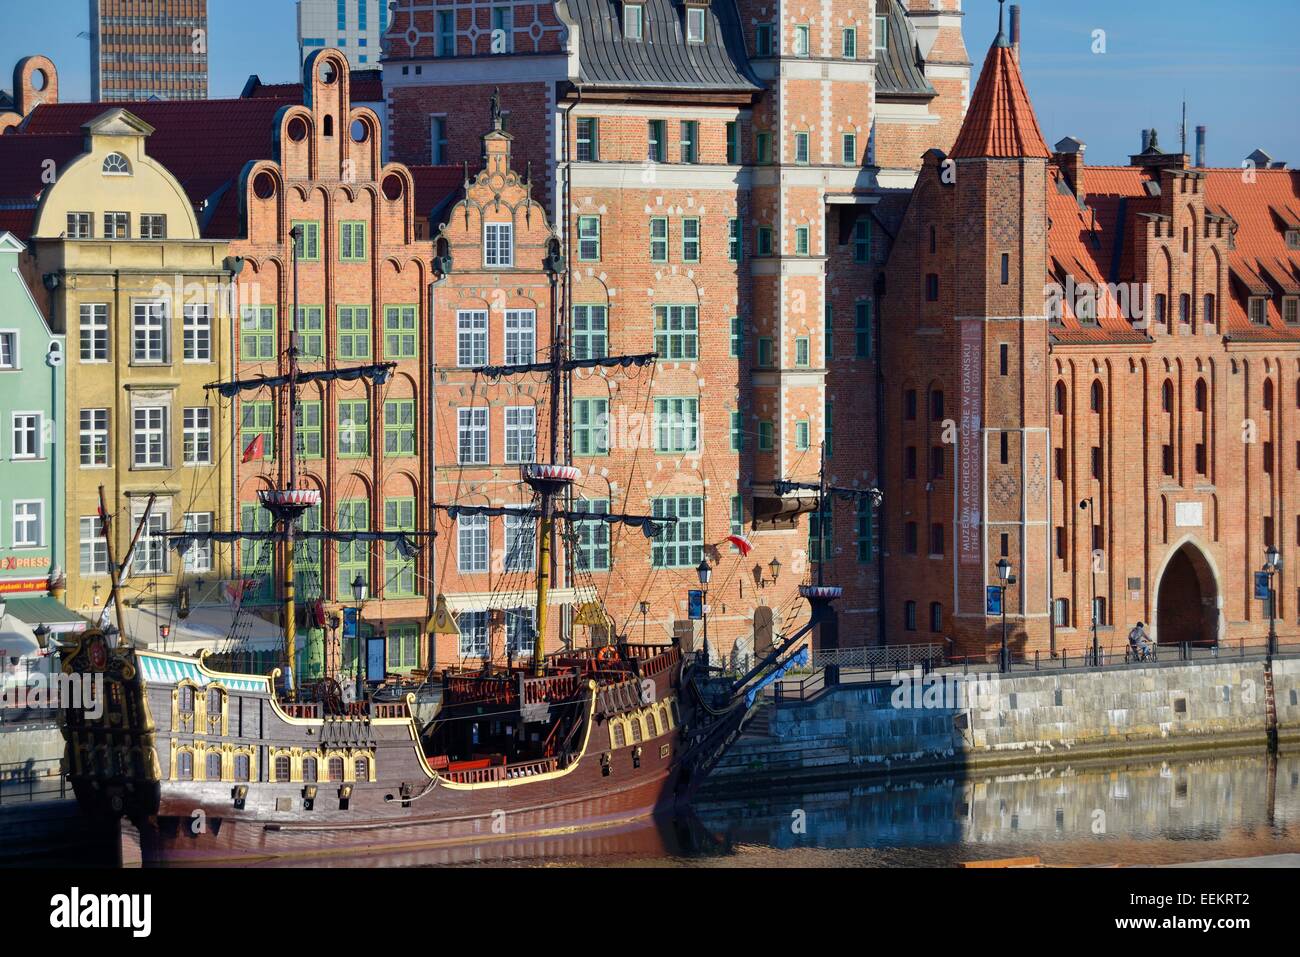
(214, 701)
(242, 766)
(363, 769)
(185, 699)
(336, 769)
(184, 766)
(652, 726)
(309, 769)
(637, 733)
(619, 735)
(282, 767)
(214, 766)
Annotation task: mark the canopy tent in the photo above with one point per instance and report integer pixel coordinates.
(36, 610)
(206, 626)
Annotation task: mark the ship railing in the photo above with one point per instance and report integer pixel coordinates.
(301, 709)
(550, 688)
(495, 772)
(527, 769)
(457, 688)
(389, 709)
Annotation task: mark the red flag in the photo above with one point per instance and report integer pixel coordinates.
(256, 448)
(742, 543)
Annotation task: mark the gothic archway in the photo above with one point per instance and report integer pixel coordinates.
(1187, 598)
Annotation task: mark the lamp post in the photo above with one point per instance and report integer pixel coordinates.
(1086, 506)
(359, 595)
(774, 566)
(705, 573)
(1005, 578)
(1273, 566)
(645, 610)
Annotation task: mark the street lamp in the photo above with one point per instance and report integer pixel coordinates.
(705, 573)
(1005, 578)
(359, 594)
(774, 566)
(645, 610)
(1086, 506)
(1273, 566)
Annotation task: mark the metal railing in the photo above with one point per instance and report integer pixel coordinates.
(27, 781)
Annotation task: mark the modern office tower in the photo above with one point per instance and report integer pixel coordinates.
(354, 26)
(144, 49)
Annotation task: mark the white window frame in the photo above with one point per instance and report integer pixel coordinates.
(93, 331)
(696, 25)
(96, 431)
(196, 328)
(31, 433)
(98, 546)
(192, 432)
(148, 326)
(517, 527)
(520, 433)
(15, 541)
(120, 218)
(507, 27)
(472, 436)
(804, 140)
(520, 336)
(881, 40)
(13, 362)
(472, 338)
(633, 22)
(473, 544)
(802, 40)
(499, 245)
(75, 222)
(198, 557)
(151, 545)
(473, 626)
(438, 138)
(152, 220)
(160, 430)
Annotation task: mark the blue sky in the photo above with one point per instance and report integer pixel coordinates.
(1234, 63)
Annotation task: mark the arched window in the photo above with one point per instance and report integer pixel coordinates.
(1167, 396)
(214, 701)
(241, 767)
(282, 767)
(336, 769)
(185, 765)
(1268, 394)
(1060, 398)
(214, 766)
(309, 769)
(652, 726)
(637, 733)
(1096, 396)
(620, 736)
(185, 699)
(1202, 397)
(362, 768)
(115, 164)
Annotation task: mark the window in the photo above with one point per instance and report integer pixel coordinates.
(765, 241)
(354, 556)
(94, 550)
(149, 441)
(400, 341)
(801, 147)
(737, 338)
(152, 556)
(503, 30)
(588, 238)
(865, 530)
(472, 436)
(196, 333)
(438, 140)
(93, 332)
(592, 553)
(909, 462)
(399, 427)
(936, 405)
(676, 332)
(733, 142)
(1004, 448)
(1004, 359)
(862, 240)
(1006, 268)
(801, 40)
(520, 543)
(94, 438)
(766, 437)
(657, 145)
(909, 538)
(802, 435)
(306, 245)
(117, 225)
(909, 615)
(820, 535)
(149, 332)
(446, 33)
(828, 419)
(659, 239)
(399, 568)
(354, 332)
(936, 539)
(932, 287)
(690, 134)
(632, 21)
(473, 627)
(765, 354)
(352, 241)
(1291, 310)
(862, 330)
(498, 244)
(29, 524)
(737, 432)
(403, 647)
(735, 240)
(307, 430)
(763, 39)
(882, 34)
(909, 404)
(257, 419)
(520, 629)
(694, 24)
(679, 545)
(198, 557)
(257, 334)
(1207, 307)
(690, 240)
(521, 345)
(849, 149)
(27, 435)
(196, 436)
(153, 226)
(936, 462)
(849, 43)
(586, 128)
(78, 226)
(590, 336)
(472, 543)
(762, 147)
(521, 433)
(590, 426)
(256, 555)
(677, 425)
(1257, 308)
(801, 351)
(185, 764)
(354, 427)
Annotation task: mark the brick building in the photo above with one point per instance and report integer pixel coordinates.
(1094, 373)
(715, 173)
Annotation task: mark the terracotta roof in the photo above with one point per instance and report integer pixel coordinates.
(1000, 119)
(435, 188)
(23, 160)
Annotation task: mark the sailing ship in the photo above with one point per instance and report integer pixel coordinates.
(208, 765)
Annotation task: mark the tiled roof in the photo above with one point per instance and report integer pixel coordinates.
(23, 160)
(662, 59)
(899, 70)
(367, 86)
(1000, 119)
(435, 188)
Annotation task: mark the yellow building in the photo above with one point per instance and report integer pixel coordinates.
(143, 301)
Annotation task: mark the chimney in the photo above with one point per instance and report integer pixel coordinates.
(1068, 157)
(1146, 141)
(1015, 30)
(1200, 146)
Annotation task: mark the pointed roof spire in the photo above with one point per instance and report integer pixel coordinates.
(1000, 120)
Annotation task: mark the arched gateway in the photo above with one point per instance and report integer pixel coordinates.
(1187, 598)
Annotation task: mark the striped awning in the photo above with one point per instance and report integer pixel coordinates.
(169, 670)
